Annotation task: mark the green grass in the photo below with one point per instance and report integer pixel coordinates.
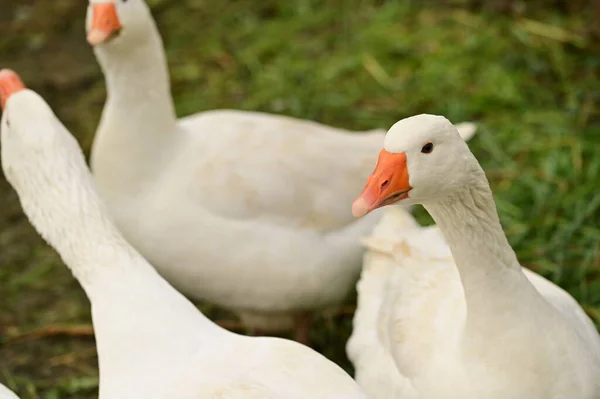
(529, 79)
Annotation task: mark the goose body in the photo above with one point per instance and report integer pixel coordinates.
(237, 208)
(410, 289)
(152, 342)
(449, 305)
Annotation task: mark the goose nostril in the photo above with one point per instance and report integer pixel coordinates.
(385, 184)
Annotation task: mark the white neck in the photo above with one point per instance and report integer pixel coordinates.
(490, 273)
(73, 220)
(60, 200)
(137, 129)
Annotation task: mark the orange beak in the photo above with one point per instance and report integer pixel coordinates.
(387, 184)
(105, 23)
(10, 83)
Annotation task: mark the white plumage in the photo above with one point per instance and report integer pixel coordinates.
(482, 327)
(152, 342)
(243, 209)
(6, 393)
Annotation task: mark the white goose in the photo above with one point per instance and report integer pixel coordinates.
(152, 342)
(238, 208)
(481, 328)
(6, 393)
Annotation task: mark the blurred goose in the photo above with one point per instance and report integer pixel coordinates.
(6, 393)
(237, 208)
(482, 327)
(152, 342)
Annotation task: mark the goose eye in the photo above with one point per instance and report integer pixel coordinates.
(427, 148)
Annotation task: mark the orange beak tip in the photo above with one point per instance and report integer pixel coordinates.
(105, 22)
(10, 83)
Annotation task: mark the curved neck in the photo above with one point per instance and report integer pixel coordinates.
(489, 270)
(63, 205)
(71, 217)
(138, 121)
(137, 75)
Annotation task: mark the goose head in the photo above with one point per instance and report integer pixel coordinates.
(45, 165)
(118, 23)
(37, 150)
(424, 159)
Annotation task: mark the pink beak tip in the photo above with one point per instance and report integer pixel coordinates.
(360, 207)
(7, 73)
(96, 36)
